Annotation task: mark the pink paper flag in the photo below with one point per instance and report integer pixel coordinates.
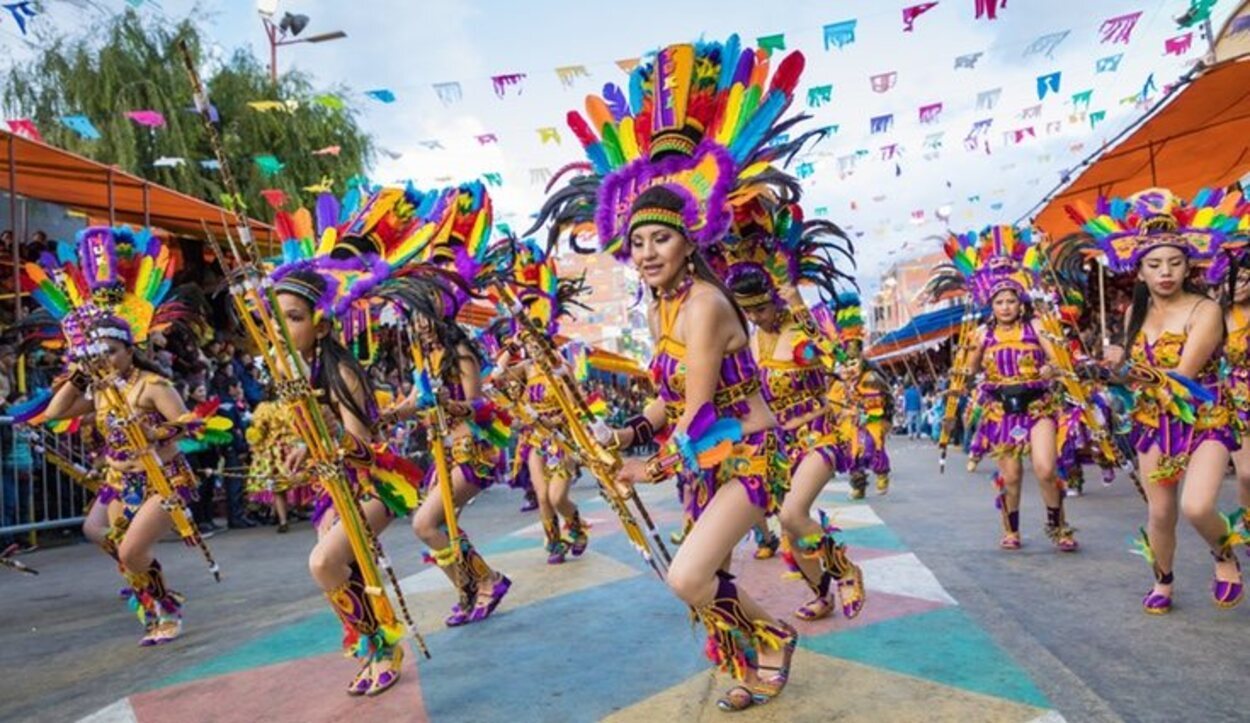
(25, 128)
(328, 151)
(911, 13)
(149, 118)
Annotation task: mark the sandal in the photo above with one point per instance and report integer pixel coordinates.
(818, 608)
(1227, 593)
(765, 690)
(167, 630)
(363, 680)
(1010, 541)
(851, 591)
(737, 698)
(387, 679)
(1158, 603)
(498, 590)
(459, 616)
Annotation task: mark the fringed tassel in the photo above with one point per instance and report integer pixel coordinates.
(1057, 524)
(150, 599)
(363, 637)
(793, 572)
(1141, 546)
(551, 529)
(733, 638)
(468, 569)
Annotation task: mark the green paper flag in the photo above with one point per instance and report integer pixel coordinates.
(769, 43)
(268, 164)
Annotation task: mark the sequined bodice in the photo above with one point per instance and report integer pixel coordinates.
(108, 423)
(1013, 356)
(1165, 353)
(738, 379)
(1235, 345)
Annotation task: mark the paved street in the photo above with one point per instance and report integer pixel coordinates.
(954, 629)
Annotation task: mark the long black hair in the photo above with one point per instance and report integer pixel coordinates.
(1141, 305)
(137, 358)
(333, 359)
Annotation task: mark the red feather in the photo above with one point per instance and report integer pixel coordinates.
(285, 225)
(581, 129)
(786, 78)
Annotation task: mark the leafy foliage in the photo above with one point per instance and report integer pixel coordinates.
(131, 65)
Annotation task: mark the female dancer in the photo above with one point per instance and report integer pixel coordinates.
(668, 165)
(271, 438)
(794, 360)
(1174, 335)
(864, 400)
(550, 471)
(1018, 406)
(1237, 351)
(137, 516)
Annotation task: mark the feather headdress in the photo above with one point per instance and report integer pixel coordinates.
(994, 259)
(115, 280)
(1127, 229)
(699, 120)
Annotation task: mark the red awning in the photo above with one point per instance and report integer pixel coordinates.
(49, 174)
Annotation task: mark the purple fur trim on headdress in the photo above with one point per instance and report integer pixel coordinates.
(620, 188)
(373, 270)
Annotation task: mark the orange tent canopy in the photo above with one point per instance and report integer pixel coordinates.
(1201, 139)
(49, 174)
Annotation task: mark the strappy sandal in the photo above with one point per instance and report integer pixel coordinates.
(498, 590)
(736, 699)
(851, 592)
(1010, 541)
(387, 679)
(1227, 593)
(816, 609)
(363, 680)
(765, 690)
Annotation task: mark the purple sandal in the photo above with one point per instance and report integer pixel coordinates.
(390, 676)
(497, 592)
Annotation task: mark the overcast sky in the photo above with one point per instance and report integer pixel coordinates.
(406, 46)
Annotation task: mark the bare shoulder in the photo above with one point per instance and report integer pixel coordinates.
(706, 302)
(1206, 312)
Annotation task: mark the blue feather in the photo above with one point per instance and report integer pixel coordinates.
(755, 129)
(729, 61)
(1198, 392)
(725, 428)
(635, 90)
(599, 158)
(23, 412)
(66, 253)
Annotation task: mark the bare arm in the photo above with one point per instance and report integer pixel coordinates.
(164, 399)
(1203, 338)
(68, 402)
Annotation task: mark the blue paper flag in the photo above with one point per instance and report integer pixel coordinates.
(381, 94)
(81, 125)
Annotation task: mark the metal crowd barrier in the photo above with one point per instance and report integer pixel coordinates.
(43, 479)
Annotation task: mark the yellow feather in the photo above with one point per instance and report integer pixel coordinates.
(683, 71)
(729, 121)
(328, 237)
(629, 142)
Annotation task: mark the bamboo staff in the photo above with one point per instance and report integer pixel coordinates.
(958, 381)
(256, 303)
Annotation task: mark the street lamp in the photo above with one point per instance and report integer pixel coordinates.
(285, 32)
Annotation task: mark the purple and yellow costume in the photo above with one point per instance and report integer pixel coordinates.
(1014, 397)
(758, 461)
(1237, 370)
(795, 389)
(1154, 426)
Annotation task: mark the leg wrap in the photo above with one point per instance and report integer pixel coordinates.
(364, 637)
(733, 638)
(551, 529)
(150, 599)
(1056, 524)
(859, 480)
(467, 570)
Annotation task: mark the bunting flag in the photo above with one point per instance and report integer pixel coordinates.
(1119, 29)
(149, 118)
(968, 60)
(328, 151)
(1178, 45)
(210, 164)
(819, 95)
(628, 64)
(1080, 101)
(539, 176)
(275, 197)
(930, 114)
(987, 99)
(911, 13)
(824, 210)
(988, 9)
(329, 100)
(448, 93)
(889, 152)
(840, 34)
(25, 128)
(383, 95)
(168, 162)
(81, 125)
(494, 179)
(1096, 117)
(882, 82)
(771, 43)
(550, 134)
(21, 12)
(1109, 64)
(569, 74)
(1046, 83)
(213, 116)
(391, 154)
(881, 123)
(933, 141)
(325, 185)
(804, 170)
(1046, 44)
(265, 106)
(1053, 127)
(501, 83)
(1033, 111)
(268, 164)
(486, 139)
(432, 145)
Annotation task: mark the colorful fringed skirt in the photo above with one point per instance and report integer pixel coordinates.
(132, 488)
(758, 462)
(1006, 416)
(1175, 438)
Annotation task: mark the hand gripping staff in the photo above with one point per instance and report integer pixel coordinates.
(255, 301)
(107, 386)
(1053, 330)
(959, 382)
(603, 463)
(435, 422)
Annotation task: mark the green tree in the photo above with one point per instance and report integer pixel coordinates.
(136, 66)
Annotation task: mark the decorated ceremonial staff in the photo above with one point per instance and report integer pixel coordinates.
(1014, 407)
(290, 315)
(107, 294)
(770, 251)
(1171, 355)
(1231, 272)
(668, 160)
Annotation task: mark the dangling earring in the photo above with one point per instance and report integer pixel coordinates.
(690, 265)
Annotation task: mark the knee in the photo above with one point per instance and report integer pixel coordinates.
(1162, 517)
(1045, 470)
(425, 529)
(1197, 510)
(794, 520)
(690, 587)
(134, 558)
(320, 564)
